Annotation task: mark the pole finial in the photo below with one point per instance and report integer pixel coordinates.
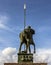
(24, 6)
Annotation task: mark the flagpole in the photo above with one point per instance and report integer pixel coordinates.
(24, 15)
(24, 19)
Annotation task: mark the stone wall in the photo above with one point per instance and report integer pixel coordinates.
(25, 63)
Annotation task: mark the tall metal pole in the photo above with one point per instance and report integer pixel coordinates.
(24, 19)
(24, 15)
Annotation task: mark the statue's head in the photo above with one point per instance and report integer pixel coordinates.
(29, 27)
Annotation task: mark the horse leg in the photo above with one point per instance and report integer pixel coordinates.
(26, 48)
(34, 49)
(29, 49)
(20, 47)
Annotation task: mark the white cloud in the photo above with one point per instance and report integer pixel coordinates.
(9, 51)
(43, 55)
(3, 21)
(3, 25)
(8, 55)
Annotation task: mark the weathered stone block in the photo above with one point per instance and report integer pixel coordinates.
(22, 57)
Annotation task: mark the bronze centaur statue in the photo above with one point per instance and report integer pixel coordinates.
(26, 37)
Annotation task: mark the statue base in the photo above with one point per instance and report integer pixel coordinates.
(25, 57)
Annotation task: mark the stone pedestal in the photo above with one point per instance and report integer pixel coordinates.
(23, 57)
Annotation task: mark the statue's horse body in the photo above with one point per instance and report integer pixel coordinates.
(27, 39)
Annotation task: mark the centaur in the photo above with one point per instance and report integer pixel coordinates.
(26, 37)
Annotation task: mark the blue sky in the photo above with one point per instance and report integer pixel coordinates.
(38, 16)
